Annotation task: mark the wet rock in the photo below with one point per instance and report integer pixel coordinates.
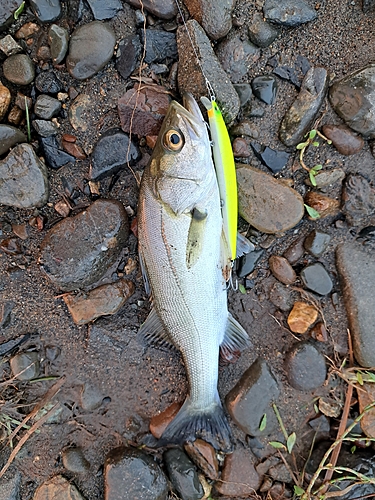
(282, 270)
(295, 251)
(183, 475)
(15, 116)
(19, 69)
(274, 160)
(204, 456)
(104, 10)
(280, 472)
(58, 39)
(282, 297)
(132, 471)
(244, 92)
(246, 263)
(316, 279)
(288, 12)
(358, 200)
(102, 301)
(91, 398)
(7, 9)
(146, 118)
(78, 251)
(356, 269)
(237, 56)
(10, 487)
(9, 137)
(301, 317)
(267, 214)
(165, 9)
(54, 156)
(345, 140)
(128, 55)
(241, 148)
(239, 477)
(9, 46)
(316, 243)
(44, 128)
(24, 181)
(91, 47)
(25, 365)
(74, 460)
(190, 77)
(299, 119)
(57, 487)
(46, 10)
(326, 178)
(250, 399)
(244, 127)
(159, 423)
(5, 98)
(215, 17)
(27, 30)
(265, 88)
(353, 99)
(305, 367)
(323, 204)
(46, 107)
(262, 33)
(159, 46)
(366, 396)
(319, 332)
(48, 83)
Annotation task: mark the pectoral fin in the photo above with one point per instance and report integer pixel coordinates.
(153, 331)
(144, 274)
(195, 237)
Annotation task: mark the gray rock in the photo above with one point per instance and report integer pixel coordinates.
(165, 9)
(301, 115)
(132, 471)
(244, 92)
(19, 69)
(74, 460)
(7, 9)
(316, 279)
(46, 10)
(159, 45)
(353, 99)
(104, 10)
(91, 398)
(237, 56)
(23, 179)
(57, 487)
(91, 47)
(246, 263)
(356, 269)
(326, 178)
(190, 77)
(79, 250)
(245, 127)
(317, 242)
(58, 39)
(54, 156)
(215, 16)
(305, 367)
(265, 88)
(10, 136)
(25, 365)
(250, 399)
(48, 83)
(44, 128)
(128, 55)
(288, 12)
(46, 107)
(282, 297)
(183, 475)
(261, 33)
(10, 488)
(9, 46)
(358, 200)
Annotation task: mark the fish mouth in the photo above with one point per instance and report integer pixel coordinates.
(189, 111)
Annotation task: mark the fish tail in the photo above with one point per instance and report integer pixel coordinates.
(191, 423)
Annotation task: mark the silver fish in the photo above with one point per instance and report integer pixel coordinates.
(180, 230)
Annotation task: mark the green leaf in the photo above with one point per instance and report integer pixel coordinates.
(241, 288)
(317, 168)
(359, 378)
(312, 134)
(298, 490)
(329, 141)
(263, 422)
(316, 409)
(353, 448)
(302, 145)
(371, 376)
(277, 445)
(19, 11)
(291, 442)
(312, 177)
(314, 214)
(316, 144)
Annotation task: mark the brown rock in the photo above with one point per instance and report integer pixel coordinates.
(74, 150)
(204, 456)
(5, 98)
(295, 251)
(319, 332)
(365, 397)
(158, 423)
(69, 138)
(344, 139)
(241, 148)
(322, 204)
(27, 30)
(301, 317)
(58, 488)
(15, 115)
(20, 230)
(282, 270)
(62, 208)
(22, 100)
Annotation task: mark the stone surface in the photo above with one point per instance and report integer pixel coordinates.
(299, 119)
(262, 33)
(159, 423)
(324, 205)
(356, 269)
(281, 296)
(23, 179)
(326, 178)
(246, 263)
(165, 9)
(44, 128)
(5, 98)
(78, 251)
(183, 475)
(19, 69)
(25, 365)
(214, 16)
(9, 137)
(344, 139)
(74, 460)
(305, 367)
(274, 160)
(104, 10)
(365, 398)
(46, 10)
(316, 279)
(295, 251)
(237, 56)
(358, 200)
(265, 88)
(128, 55)
(91, 47)
(9, 46)
(159, 45)
(46, 107)
(239, 479)
(251, 398)
(282, 270)
(269, 214)
(204, 456)
(241, 147)
(317, 242)
(10, 487)
(301, 317)
(48, 83)
(55, 157)
(288, 12)
(57, 488)
(190, 77)
(244, 127)
(7, 9)
(244, 92)
(58, 39)
(91, 398)
(132, 471)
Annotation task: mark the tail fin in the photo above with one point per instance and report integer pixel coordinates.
(211, 425)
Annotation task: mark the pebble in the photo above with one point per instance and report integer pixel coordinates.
(305, 367)
(353, 99)
(295, 251)
(102, 301)
(46, 107)
(112, 153)
(244, 127)
(159, 45)
(10, 487)
(74, 150)
(7, 9)
(244, 92)
(159, 423)
(237, 56)
(9, 46)
(301, 317)
(44, 128)
(344, 139)
(265, 88)
(319, 332)
(239, 477)
(91, 398)
(55, 157)
(78, 251)
(356, 269)
(215, 16)
(190, 76)
(128, 55)
(282, 297)
(262, 33)
(58, 39)
(274, 160)
(246, 263)
(358, 199)
(24, 179)
(288, 12)
(165, 9)
(366, 396)
(299, 119)
(268, 214)
(183, 475)
(5, 98)
(316, 279)
(74, 460)
(9, 137)
(322, 204)
(25, 365)
(57, 487)
(204, 456)
(91, 47)
(48, 83)
(281, 269)
(46, 10)
(19, 69)
(104, 10)
(133, 473)
(5, 319)
(15, 115)
(326, 178)
(80, 112)
(241, 148)
(250, 399)
(316, 243)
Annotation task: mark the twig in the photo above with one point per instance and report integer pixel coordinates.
(281, 423)
(294, 477)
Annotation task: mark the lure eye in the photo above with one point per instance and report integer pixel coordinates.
(173, 140)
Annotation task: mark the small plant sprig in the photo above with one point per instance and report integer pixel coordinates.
(19, 11)
(290, 440)
(302, 147)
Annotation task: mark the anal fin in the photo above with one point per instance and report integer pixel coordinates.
(153, 331)
(235, 340)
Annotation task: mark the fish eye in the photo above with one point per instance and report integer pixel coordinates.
(173, 140)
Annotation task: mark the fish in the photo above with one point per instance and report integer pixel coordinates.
(180, 231)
